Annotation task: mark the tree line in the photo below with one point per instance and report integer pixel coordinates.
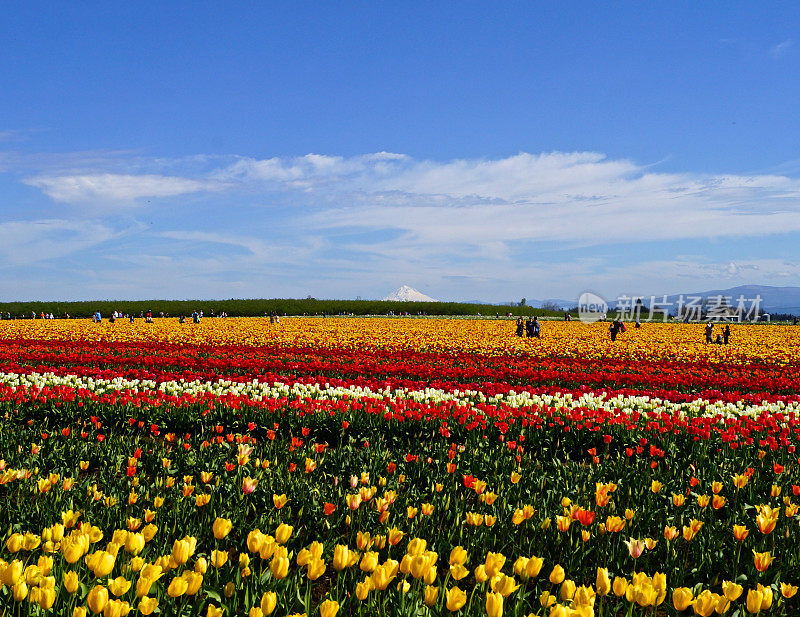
(261, 307)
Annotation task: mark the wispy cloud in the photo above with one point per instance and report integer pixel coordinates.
(122, 189)
(254, 248)
(334, 225)
(23, 243)
(10, 135)
(779, 50)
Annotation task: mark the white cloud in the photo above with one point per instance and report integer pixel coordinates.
(254, 246)
(115, 188)
(257, 252)
(476, 208)
(779, 50)
(24, 243)
(345, 225)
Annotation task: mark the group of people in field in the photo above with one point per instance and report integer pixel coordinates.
(196, 316)
(529, 328)
(721, 339)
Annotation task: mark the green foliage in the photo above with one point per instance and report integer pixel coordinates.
(260, 307)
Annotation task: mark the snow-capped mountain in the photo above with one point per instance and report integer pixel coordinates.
(408, 294)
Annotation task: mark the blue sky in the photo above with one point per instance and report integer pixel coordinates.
(471, 150)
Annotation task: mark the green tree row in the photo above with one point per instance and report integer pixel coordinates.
(260, 307)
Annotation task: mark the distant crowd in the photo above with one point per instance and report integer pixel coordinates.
(531, 328)
(196, 316)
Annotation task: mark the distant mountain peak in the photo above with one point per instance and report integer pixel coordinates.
(408, 294)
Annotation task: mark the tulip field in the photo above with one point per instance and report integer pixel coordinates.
(397, 467)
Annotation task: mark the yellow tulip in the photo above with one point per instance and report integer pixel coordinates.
(214, 611)
(380, 578)
(762, 560)
(194, 580)
(430, 595)
(456, 599)
(560, 611)
(283, 533)
(97, 599)
(73, 549)
(341, 557)
(394, 536)
(218, 558)
(557, 575)
(494, 604)
(567, 591)
(533, 567)
(620, 586)
(19, 591)
(787, 590)
(420, 565)
(14, 543)
(177, 587)
(316, 549)
(655, 486)
(494, 563)
(143, 586)
(149, 531)
(255, 540)
(363, 540)
(47, 593)
(519, 567)
(584, 596)
(458, 556)
(705, 603)
(148, 605)
(201, 565)
(221, 527)
(45, 564)
(183, 549)
(316, 568)
(731, 590)
(417, 546)
(363, 588)
(602, 582)
(458, 572)
(279, 566)
(116, 608)
(766, 601)
(134, 543)
(71, 581)
(504, 585)
(369, 561)
(268, 602)
(119, 586)
(329, 608)
(754, 601)
(32, 575)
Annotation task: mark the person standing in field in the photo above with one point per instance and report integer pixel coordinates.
(520, 326)
(709, 332)
(726, 334)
